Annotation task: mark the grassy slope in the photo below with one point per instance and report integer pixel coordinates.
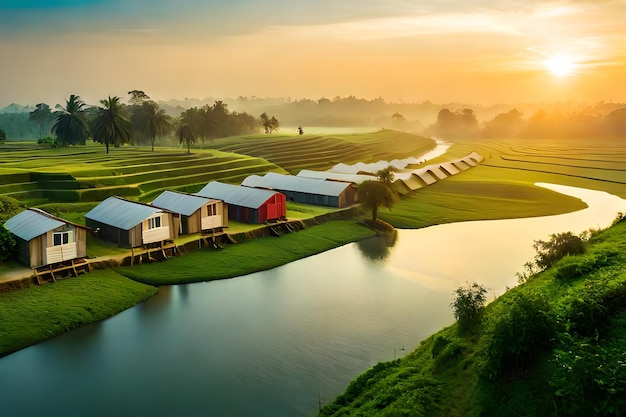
(581, 372)
(37, 313)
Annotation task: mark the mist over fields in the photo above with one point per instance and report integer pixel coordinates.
(447, 120)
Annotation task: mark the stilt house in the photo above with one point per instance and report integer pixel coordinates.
(131, 224)
(44, 239)
(197, 214)
(248, 205)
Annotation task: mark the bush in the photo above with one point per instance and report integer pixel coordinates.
(7, 244)
(9, 207)
(468, 306)
(559, 245)
(523, 331)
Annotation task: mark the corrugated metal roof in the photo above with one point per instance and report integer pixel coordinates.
(328, 175)
(236, 195)
(31, 223)
(279, 182)
(121, 213)
(185, 204)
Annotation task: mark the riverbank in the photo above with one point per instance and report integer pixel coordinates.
(36, 313)
(550, 346)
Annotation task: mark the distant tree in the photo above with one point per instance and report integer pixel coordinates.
(265, 122)
(152, 121)
(504, 125)
(468, 306)
(3, 135)
(42, 115)
(386, 176)
(458, 124)
(70, 124)
(111, 125)
(137, 97)
(269, 124)
(373, 194)
(185, 134)
(615, 123)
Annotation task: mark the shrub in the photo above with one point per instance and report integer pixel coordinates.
(9, 207)
(559, 245)
(523, 331)
(468, 306)
(7, 244)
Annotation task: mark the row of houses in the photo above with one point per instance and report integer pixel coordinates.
(44, 239)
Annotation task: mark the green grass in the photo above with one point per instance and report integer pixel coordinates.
(252, 256)
(481, 193)
(34, 314)
(581, 372)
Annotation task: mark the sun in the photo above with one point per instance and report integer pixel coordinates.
(561, 65)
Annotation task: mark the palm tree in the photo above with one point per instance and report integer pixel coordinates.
(41, 115)
(185, 134)
(111, 124)
(70, 124)
(153, 121)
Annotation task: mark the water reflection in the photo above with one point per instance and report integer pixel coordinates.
(377, 248)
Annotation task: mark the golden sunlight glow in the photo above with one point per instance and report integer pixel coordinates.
(561, 65)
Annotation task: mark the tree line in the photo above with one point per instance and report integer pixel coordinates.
(463, 123)
(140, 122)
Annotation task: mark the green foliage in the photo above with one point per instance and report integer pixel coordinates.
(386, 176)
(522, 330)
(589, 378)
(559, 246)
(7, 244)
(111, 124)
(9, 207)
(70, 123)
(468, 306)
(373, 194)
(3, 135)
(47, 140)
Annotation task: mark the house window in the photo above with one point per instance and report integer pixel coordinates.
(211, 210)
(61, 238)
(154, 222)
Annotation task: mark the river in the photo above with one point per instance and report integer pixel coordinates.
(280, 342)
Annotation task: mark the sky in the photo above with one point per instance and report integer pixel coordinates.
(466, 51)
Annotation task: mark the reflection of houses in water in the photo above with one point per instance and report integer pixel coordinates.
(406, 180)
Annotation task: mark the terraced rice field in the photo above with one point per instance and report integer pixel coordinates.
(88, 174)
(593, 163)
(323, 152)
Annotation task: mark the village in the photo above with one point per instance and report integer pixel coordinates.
(53, 247)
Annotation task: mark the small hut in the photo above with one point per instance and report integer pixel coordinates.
(131, 224)
(44, 239)
(197, 214)
(248, 205)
